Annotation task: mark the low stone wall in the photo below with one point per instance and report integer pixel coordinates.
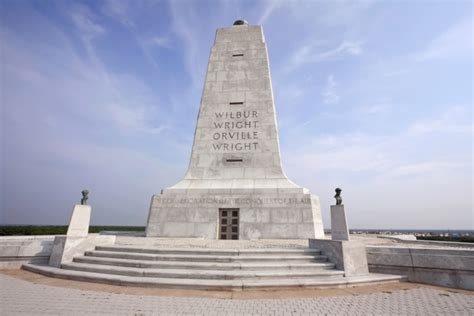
(16, 250)
(349, 256)
(439, 266)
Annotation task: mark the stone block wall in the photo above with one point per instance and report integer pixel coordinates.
(16, 250)
(439, 266)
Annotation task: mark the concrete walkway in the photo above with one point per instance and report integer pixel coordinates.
(24, 293)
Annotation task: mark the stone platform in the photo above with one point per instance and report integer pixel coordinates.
(207, 265)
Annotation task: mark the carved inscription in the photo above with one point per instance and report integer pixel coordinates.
(235, 131)
(226, 201)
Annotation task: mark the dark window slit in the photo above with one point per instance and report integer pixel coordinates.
(234, 160)
(236, 103)
(237, 55)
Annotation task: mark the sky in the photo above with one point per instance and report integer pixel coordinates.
(374, 97)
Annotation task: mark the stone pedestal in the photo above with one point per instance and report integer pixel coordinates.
(77, 239)
(79, 223)
(339, 228)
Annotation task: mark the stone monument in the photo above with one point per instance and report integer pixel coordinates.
(235, 187)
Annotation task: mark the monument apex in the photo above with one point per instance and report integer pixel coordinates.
(235, 186)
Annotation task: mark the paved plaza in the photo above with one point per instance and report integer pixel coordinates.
(23, 293)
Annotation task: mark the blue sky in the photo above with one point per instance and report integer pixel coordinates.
(372, 96)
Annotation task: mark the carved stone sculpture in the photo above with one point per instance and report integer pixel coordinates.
(338, 196)
(85, 196)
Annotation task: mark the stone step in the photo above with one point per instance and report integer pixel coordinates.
(205, 265)
(205, 284)
(206, 258)
(211, 251)
(199, 274)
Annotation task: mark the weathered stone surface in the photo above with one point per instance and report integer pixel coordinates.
(17, 250)
(445, 267)
(77, 240)
(79, 223)
(350, 256)
(66, 248)
(235, 160)
(339, 228)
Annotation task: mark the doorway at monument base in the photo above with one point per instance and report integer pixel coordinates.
(240, 214)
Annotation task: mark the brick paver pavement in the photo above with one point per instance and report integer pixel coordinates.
(19, 297)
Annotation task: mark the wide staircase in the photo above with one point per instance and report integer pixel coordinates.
(209, 269)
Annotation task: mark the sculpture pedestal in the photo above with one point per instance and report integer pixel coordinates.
(339, 228)
(79, 223)
(77, 239)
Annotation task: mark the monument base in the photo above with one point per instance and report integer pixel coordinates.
(235, 214)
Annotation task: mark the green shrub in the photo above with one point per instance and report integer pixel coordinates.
(27, 230)
(443, 238)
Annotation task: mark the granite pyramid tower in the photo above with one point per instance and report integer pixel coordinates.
(235, 187)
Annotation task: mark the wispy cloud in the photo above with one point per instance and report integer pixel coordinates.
(185, 24)
(127, 13)
(455, 119)
(423, 169)
(309, 54)
(269, 8)
(160, 41)
(120, 10)
(330, 95)
(85, 21)
(380, 107)
(455, 42)
(121, 100)
(343, 12)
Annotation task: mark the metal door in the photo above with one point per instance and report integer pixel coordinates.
(229, 223)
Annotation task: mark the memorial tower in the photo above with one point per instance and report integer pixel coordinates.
(235, 187)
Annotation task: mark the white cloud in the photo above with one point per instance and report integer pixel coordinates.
(147, 46)
(455, 119)
(135, 118)
(160, 41)
(455, 42)
(115, 100)
(120, 10)
(376, 108)
(386, 177)
(184, 25)
(79, 124)
(329, 94)
(342, 12)
(423, 169)
(85, 22)
(345, 153)
(309, 54)
(270, 7)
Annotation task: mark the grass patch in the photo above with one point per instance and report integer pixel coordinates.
(27, 230)
(443, 238)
